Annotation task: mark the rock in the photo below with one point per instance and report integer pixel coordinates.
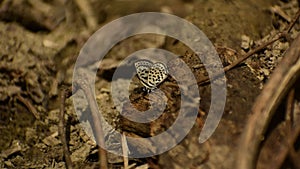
(30, 134)
(15, 147)
(81, 153)
(145, 166)
(246, 42)
(8, 164)
(266, 72)
(51, 140)
(53, 115)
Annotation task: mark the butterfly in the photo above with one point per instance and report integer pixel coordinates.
(151, 74)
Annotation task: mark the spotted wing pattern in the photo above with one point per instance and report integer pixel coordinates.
(157, 74)
(151, 75)
(142, 68)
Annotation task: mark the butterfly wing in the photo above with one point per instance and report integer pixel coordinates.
(157, 74)
(142, 68)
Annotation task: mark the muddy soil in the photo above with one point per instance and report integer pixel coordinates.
(40, 42)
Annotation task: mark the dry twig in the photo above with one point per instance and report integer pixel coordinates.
(277, 10)
(274, 91)
(294, 129)
(88, 13)
(125, 151)
(264, 45)
(30, 107)
(280, 35)
(61, 129)
(293, 155)
(83, 83)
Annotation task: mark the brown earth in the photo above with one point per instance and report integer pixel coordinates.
(40, 41)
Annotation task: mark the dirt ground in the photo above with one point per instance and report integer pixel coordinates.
(40, 42)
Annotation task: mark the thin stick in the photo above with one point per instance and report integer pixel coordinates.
(265, 105)
(29, 106)
(125, 151)
(289, 117)
(247, 55)
(83, 82)
(294, 20)
(293, 155)
(277, 10)
(264, 45)
(89, 15)
(294, 129)
(242, 58)
(287, 144)
(257, 49)
(61, 129)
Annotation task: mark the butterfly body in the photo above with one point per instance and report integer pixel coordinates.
(151, 74)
